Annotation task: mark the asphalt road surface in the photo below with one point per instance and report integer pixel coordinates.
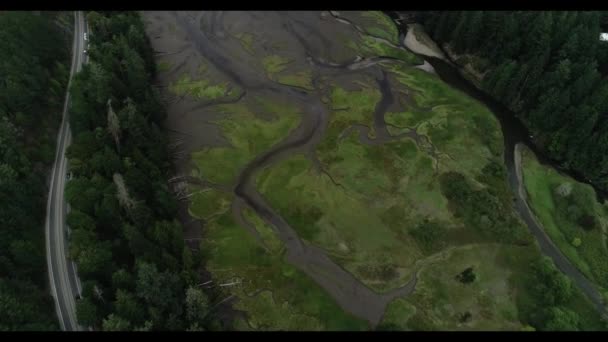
(65, 286)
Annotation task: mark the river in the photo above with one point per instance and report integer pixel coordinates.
(515, 135)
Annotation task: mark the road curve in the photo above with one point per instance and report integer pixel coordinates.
(544, 241)
(65, 285)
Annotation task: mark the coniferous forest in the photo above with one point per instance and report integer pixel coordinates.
(34, 70)
(136, 272)
(549, 68)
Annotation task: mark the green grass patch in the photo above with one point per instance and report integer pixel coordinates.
(410, 118)
(208, 203)
(506, 292)
(267, 233)
(371, 47)
(287, 298)
(163, 66)
(349, 107)
(222, 164)
(397, 313)
(246, 40)
(568, 210)
(443, 302)
(457, 124)
(273, 64)
(341, 219)
(367, 222)
(302, 79)
(200, 89)
(383, 26)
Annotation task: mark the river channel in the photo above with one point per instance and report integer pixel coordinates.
(515, 135)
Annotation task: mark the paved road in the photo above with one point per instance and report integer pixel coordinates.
(65, 285)
(546, 244)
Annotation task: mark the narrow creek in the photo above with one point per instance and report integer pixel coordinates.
(515, 136)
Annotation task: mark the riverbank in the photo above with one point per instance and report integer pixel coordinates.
(419, 42)
(521, 189)
(466, 66)
(515, 170)
(473, 69)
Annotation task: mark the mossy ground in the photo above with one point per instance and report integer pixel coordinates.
(380, 25)
(208, 203)
(246, 39)
(164, 66)
(302, 79)
(274, 64)
(441, 300)
(222, 164)
(372, 47)
(200, 89)
(385, 189)
(274, 294)
(200, 85)
(275, 67)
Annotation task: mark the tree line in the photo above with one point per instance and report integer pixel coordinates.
(549, 68)
(136, 271)
(34, 58)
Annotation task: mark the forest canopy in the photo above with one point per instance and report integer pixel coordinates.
(34, 70)
(549, 68)
(137, 273)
